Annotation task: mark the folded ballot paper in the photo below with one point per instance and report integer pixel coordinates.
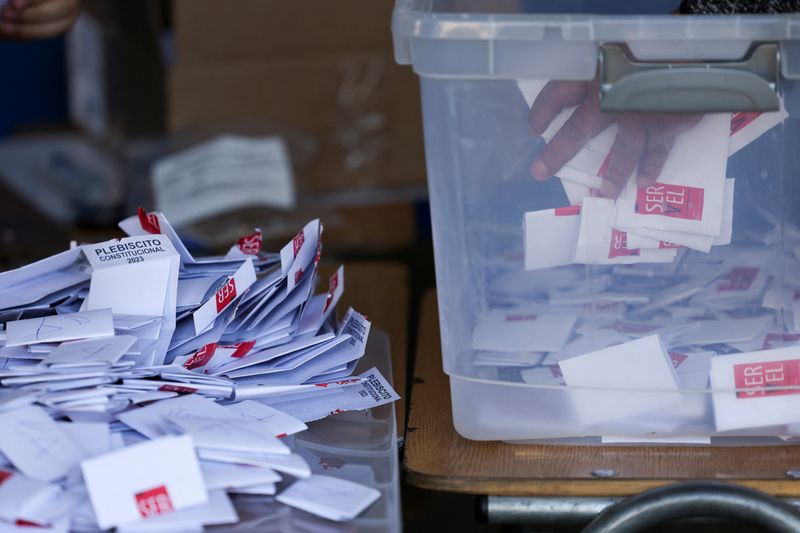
(141, 386)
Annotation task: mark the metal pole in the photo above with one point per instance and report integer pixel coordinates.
(697, 499)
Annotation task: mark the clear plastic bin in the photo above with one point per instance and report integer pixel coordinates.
(528, 280)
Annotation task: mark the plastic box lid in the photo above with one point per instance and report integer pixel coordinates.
(439, 42)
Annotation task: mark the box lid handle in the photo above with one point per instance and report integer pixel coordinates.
(746, 85)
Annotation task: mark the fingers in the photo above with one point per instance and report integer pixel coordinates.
(38, 19)
(48, 11)
(626, 153)
(36, 31)
(661, 137)
(655, 154)
(555, 96)
(586, 122)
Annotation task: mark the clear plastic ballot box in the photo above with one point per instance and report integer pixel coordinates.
(616, 219)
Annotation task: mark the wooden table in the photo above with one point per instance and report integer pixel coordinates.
(437, 458)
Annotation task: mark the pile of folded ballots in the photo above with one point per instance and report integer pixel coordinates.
(141, 386)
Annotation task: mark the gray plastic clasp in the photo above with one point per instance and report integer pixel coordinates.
(749, 84)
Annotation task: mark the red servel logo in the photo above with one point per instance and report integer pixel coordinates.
(177, 388)
(764, 379)
(201, 357)
(332, 285)
(619, 244)
(251, 244)
(243, 348)
(674, 201)
(149, 221)
(297, 242)
(154, 502)
(226, 294)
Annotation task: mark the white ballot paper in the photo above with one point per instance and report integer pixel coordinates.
(690, 191)
(149, 420)
(56, 328)
(521, 329)
(642, 365)
(748, 126)
(144, 480)
(329, 497)
(36, 445)
(217, 511)
(137, 276)
(104, 351)
(291, 464)
(601, 244)
(226, 475)
(32, 282)
(234, 287)
(550, 236)
(230, 435)
(19, 494)
(756, 389)
(371, 391)
(280, 424)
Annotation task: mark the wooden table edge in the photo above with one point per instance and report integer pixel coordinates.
(588, 488)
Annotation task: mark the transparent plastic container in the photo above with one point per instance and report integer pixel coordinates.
(715, 96)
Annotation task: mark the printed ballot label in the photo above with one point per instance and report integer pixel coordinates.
(226, 294)
(749, 389)
(154, 502)
(129, 250)
(676, 201)
(149, 221)
(763, 379)
(251, 244)
(619, 245)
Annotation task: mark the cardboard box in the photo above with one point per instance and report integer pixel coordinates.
(358, 229)
(207, 31)
(360, 108)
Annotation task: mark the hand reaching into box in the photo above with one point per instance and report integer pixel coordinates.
(643, 139)
(37, 19)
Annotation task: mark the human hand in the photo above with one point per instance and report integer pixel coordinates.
(644, 140)
(37, 19)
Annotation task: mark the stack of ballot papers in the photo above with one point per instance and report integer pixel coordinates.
(141, 387)
(641, 310)
(679, 334)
